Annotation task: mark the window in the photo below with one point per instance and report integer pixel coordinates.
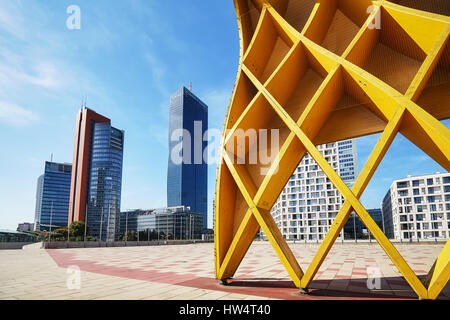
(402, 184)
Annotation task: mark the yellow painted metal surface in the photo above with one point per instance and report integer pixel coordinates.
(321, 71)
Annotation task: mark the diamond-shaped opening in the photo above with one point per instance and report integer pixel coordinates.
(257, 138)
(268, 48)
(249, 16)
(413, 192)
(309, 202)
(435, 97)
(337, 22)
(353, 107)
(297, 80)
(435, 6)
(245, 93)
(320, 109)
(343, 103)
(298, 13)
(392, 53)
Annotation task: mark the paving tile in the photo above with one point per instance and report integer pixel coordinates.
(181, 272)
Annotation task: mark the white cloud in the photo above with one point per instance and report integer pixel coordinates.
(11, 20)
(19, 70)
(16, 115)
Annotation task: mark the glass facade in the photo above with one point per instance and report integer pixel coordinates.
(354, 223)
(187, 179)
(15, 236)
(177, 222)
(52, 196)
(105, 182)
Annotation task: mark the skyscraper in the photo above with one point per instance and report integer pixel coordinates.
(309, 202)
(96, 185)
(52, 196)
(187, 169)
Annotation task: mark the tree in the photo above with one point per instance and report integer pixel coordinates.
(39, 235)
(61, 233)
(130, 236)
(77, 228)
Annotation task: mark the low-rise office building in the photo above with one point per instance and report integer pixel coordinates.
(418, 208)
(354, 225)
(177, 222)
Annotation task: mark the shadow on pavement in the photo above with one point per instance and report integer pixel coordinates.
(389, 287)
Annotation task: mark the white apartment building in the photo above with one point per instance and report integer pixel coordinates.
(418, 207)
(309, 202)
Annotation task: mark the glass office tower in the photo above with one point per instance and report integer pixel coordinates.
(52, 196)
(187, 183)
(97, 175)
(105, 182)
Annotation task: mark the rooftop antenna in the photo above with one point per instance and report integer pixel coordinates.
(83, 102)
(51, 157)
(190, 86)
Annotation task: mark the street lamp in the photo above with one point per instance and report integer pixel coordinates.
(85, 222)
(126, 226)
(51, 217)
(101, 223)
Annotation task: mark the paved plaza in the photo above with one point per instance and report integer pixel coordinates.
(187, 272)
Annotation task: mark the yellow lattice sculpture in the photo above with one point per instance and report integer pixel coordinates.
(323, 71)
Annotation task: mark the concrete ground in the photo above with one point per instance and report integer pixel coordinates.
(187, 272)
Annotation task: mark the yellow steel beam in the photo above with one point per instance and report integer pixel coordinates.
(265, 220)
(366, 174)
(441, 273)
(268, 51)
(343, 189)
(267, 191)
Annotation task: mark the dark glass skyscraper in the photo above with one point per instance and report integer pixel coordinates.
(52, 196)
(187, 180)
(97, 175)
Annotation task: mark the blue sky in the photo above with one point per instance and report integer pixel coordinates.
(129, 57)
